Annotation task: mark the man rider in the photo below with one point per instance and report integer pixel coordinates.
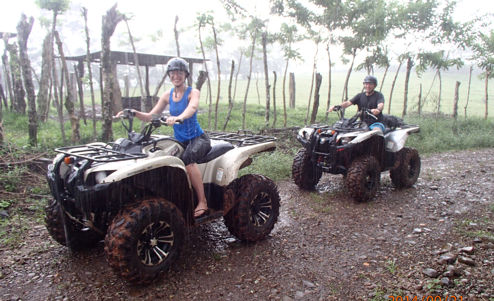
(369, 99)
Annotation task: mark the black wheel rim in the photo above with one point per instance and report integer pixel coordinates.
(412, 168)
(155, 243)
(370, 180)
(261, 209)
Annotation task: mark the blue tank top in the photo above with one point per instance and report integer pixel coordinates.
(190, 128)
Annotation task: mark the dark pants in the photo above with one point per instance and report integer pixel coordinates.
(196, 149)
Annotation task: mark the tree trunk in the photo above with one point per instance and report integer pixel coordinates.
(420, 101)
(24, 28)
(201, 79)
(207, 73)
(89, 70)
(175, 31)
(468, 90)
(455, 105)
(257, 89)
(70, 98)
(244, 109)
(79, 74)
(315, 107)
(384, 78)
(312, 82)
(56, 100)
(283, 93)
(291, 90)
(219, 77)
(1, 117)
(110, 21)
(230, 99)
(144, 108)
(407, 80)
(328, 103)
(344, 96)
(2, 93)
(266, 79)
(8, 76)
(274, 98)
(440, 91)
(487, 75)
(44, 85)
(19, 103)
(236, 75)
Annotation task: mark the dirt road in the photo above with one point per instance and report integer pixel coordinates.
(434, 239)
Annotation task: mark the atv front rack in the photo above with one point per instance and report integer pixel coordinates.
(240, 139)
(98, 153)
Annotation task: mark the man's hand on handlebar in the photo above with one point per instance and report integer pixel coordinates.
(375, 111)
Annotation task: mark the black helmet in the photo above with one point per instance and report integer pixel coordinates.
(177, 63)
(370, 79)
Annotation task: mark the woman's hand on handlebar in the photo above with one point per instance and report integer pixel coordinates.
(334, 108)
(125, 113)
(171, 120)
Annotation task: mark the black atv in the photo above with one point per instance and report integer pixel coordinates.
(350, 148)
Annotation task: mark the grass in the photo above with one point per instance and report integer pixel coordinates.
(391, 266)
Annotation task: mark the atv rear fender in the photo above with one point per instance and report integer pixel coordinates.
(396, 139)
(224, 169)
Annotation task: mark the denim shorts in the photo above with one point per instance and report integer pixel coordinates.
(196, 148)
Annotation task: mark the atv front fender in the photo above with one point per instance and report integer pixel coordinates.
(134, 167)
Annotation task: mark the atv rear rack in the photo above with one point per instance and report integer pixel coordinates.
(240, 139)
(98, 153)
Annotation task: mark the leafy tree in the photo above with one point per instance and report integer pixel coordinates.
(369, 24)
(253, 28)
(484, 56)
(287, 36)
(438, 61)
(326, 20)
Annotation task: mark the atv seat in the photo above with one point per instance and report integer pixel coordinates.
(216, 151)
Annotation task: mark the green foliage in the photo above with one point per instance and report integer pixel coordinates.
(57, 6)
(391, 266)
(5, 204)
(9, 179)
(445, 134)
(273, 165)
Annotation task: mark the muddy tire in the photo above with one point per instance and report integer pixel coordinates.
(76, 238)
(305, 174)
(408, 169)
(256, 210)
(144, 239)
(363, 178)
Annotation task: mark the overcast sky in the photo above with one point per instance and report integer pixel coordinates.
(152, 14)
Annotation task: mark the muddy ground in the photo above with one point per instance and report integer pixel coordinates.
(434, 239)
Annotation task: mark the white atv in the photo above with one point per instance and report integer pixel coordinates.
(348, 147)
(135, 193)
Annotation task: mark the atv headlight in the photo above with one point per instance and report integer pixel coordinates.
(305, 133)
(346, 140)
